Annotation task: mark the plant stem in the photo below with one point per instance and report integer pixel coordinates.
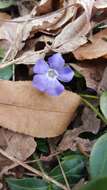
(89, 96)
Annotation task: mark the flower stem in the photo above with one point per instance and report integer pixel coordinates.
(89, 96)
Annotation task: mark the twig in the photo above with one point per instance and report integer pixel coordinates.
(35, 171)
(63, 173)
(20, 60)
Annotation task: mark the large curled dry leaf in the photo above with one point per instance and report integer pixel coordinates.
(18, 30)
(88, 6)
(72, 36)
(70, 12)
(25, 110)
(44, 6)
(101, 4)
(96, 49)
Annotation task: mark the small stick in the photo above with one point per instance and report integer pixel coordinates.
(63, 173)
(35, 171)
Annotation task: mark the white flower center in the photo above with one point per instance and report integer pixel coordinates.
(52, 73)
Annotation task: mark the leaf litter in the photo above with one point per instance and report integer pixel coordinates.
(33, 30)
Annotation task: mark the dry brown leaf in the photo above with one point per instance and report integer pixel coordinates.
(18, 30)
(88, 6)
(44, 6)
(25, 7)
(101, 4)
(17, 145)
(21, 146)
(4, 16)
(27, 58)
(71, 139)
(70, 12)
(26, 110)
(105, 56)
(90, 121)
(96, 49)
(103, 84)
(72, 36)
(91, 71)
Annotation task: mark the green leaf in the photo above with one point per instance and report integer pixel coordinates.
(98, 158)
(42, 145)
(6, 73)
(7, 3)
(73, 167)
(103, 103)
(97, 184)
(26, 184)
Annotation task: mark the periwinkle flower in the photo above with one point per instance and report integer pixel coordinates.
(49, 74)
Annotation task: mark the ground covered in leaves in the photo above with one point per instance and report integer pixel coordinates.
(53, 142)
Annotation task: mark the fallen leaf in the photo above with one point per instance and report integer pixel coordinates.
(21, 146)
(90, 121)
(101, 4)
(72, 36)
(25, 7)
(44, 6)
(70, 12)
(92, 72)
(72, 142)
(17, 145)
(88, 6)
(18, 30)
(4, 16)
(71, 139)
(27, 58)
(96, 49)
(103, 83)
(33, 112)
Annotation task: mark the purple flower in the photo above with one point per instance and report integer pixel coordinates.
(47, 76)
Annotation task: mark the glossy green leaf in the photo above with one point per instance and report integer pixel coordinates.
(73, 167)
(103, 103)
(6, 3)
(6, 73)
(26, 184)
(42, 145)
(98, 158)
(97, 184)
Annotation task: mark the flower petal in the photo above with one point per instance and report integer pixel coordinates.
(40, 82)
(54, 88)
(46, 84)
(66, 74)
(56, 61)
(40, 67)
